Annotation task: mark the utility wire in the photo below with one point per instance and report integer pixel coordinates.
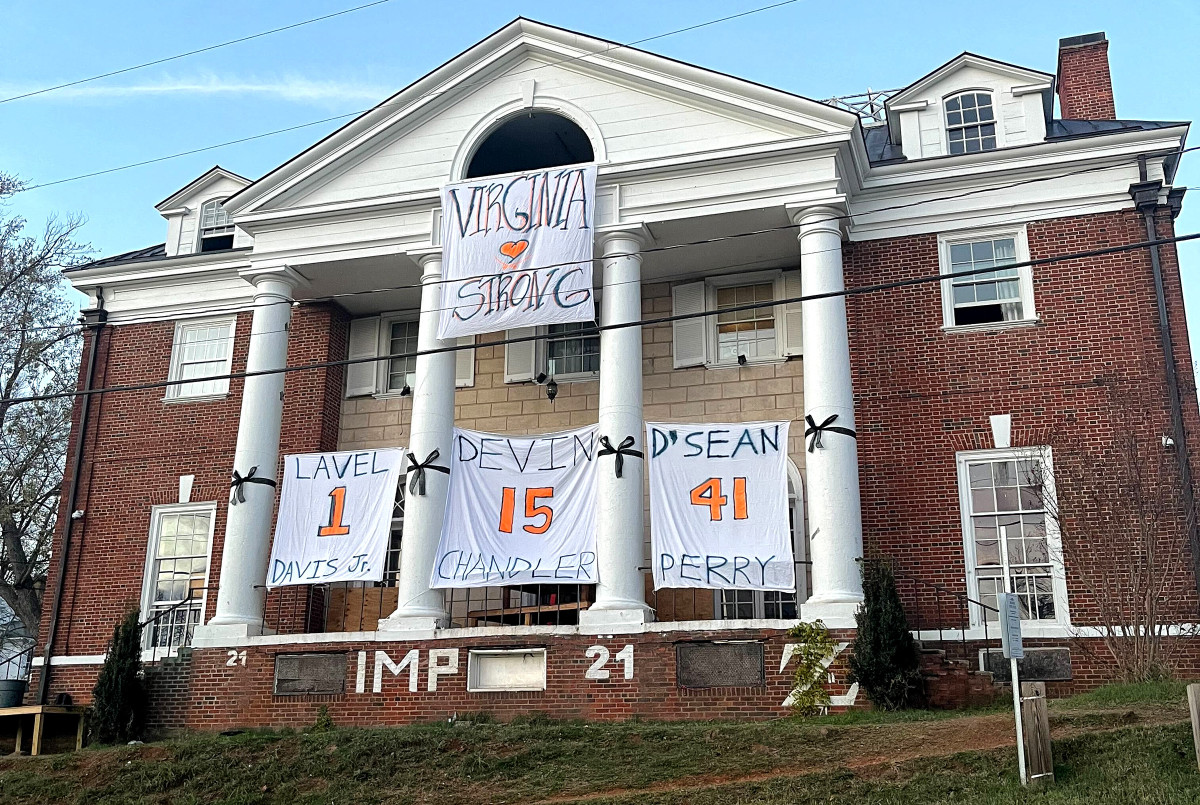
(856, 291)
(435, 93)
(217, 46)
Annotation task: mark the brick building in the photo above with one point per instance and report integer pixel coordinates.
(975, 397)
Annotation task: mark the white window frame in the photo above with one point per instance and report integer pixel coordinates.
(1024, 276)
(994, 92)
(156, 515)
(712, 284)
(1058, 577)
(543, 357)
(800, 550)
(200, 230)
(175, 392)
(384, 367)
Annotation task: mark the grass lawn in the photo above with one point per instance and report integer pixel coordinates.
(1126, 745)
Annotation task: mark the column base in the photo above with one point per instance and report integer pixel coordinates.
(834, 614)
(423, 621)
(617, 618)
(234, 633)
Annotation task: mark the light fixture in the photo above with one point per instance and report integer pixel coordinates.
(540, 379)
(742, 360)
(407, 390)
(551, 390)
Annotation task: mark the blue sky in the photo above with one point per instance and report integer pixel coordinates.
(812, 47)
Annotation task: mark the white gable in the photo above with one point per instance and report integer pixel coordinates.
(1021, 101)
(636, 108)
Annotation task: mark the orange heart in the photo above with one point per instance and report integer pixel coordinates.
(513, 249)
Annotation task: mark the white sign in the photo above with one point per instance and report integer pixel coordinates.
(719, 506)
(1010, 626)
(520, 510)
(335, 517)
(517, 251)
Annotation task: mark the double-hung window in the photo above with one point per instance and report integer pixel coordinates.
(982, 286)
(401, 340)
(176, 580)
(202, 349)
(748, 320)
(568, 352)
(216, 230)
(1011, 539)
(970, 123)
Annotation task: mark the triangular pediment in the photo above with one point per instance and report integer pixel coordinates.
(636, 107)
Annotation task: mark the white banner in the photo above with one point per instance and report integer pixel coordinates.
(520, 510)
(335, 517)
(719, 506)
(517, 251)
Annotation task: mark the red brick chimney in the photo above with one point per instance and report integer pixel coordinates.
(1084, 82)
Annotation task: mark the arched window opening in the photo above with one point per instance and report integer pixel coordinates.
(216, 231)
(530, 141)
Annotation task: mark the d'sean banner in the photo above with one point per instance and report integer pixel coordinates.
(520, 510)
(335, 517)
(719, 506)
(517, 251)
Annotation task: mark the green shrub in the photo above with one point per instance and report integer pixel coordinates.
(885, 660)
(119, 698)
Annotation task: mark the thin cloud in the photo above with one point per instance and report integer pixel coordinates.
(293, 89)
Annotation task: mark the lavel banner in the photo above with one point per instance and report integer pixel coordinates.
(719, 506)
(520, 510)
(517, 251)
(335, 517)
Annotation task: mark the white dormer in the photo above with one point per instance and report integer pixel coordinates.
(971, 104)
(196, 221)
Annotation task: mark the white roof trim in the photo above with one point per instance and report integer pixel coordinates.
(167, 205)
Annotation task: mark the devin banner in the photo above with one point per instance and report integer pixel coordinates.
(517, 251)
(520, 510)
(719, 514)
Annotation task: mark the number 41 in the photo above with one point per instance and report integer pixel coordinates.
(709, 494)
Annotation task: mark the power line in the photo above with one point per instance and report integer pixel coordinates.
(857, 291)
(609, 49)
(190, 52)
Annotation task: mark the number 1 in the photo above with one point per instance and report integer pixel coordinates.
(337, 508)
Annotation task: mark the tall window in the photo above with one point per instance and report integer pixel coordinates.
(746, 604)
(216, 231)
(1011, 544)
(985, 291)
(970, 123)
(402, 340)
(745, 332)
(572, 350)
(177, 573)
(202, 349)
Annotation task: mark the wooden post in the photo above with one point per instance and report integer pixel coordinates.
(1194, 707)
(20, 733)
(1035, 719)
(38, 724)
(79, 733)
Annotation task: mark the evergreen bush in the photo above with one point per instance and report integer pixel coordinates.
(885, 662)
(119, 699)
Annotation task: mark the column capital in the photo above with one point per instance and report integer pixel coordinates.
(607, 235)
(430, 262)
(829, 217)
(258, 275)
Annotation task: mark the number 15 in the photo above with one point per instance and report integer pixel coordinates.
(532, 509)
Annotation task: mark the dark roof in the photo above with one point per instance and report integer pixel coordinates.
(881, 151)
(137, 255)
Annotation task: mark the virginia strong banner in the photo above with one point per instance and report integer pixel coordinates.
(517, 251)
(719, 506)
(520, 510)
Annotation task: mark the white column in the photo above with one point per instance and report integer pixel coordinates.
(834, 506)
(432, 428)
(240, 593)
(620, 593)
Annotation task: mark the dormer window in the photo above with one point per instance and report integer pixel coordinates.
(216, 232)
(970, 123)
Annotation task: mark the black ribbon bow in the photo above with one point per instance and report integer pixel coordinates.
(814, 431)
(625, 448)
(416, 485)
(239, 482)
